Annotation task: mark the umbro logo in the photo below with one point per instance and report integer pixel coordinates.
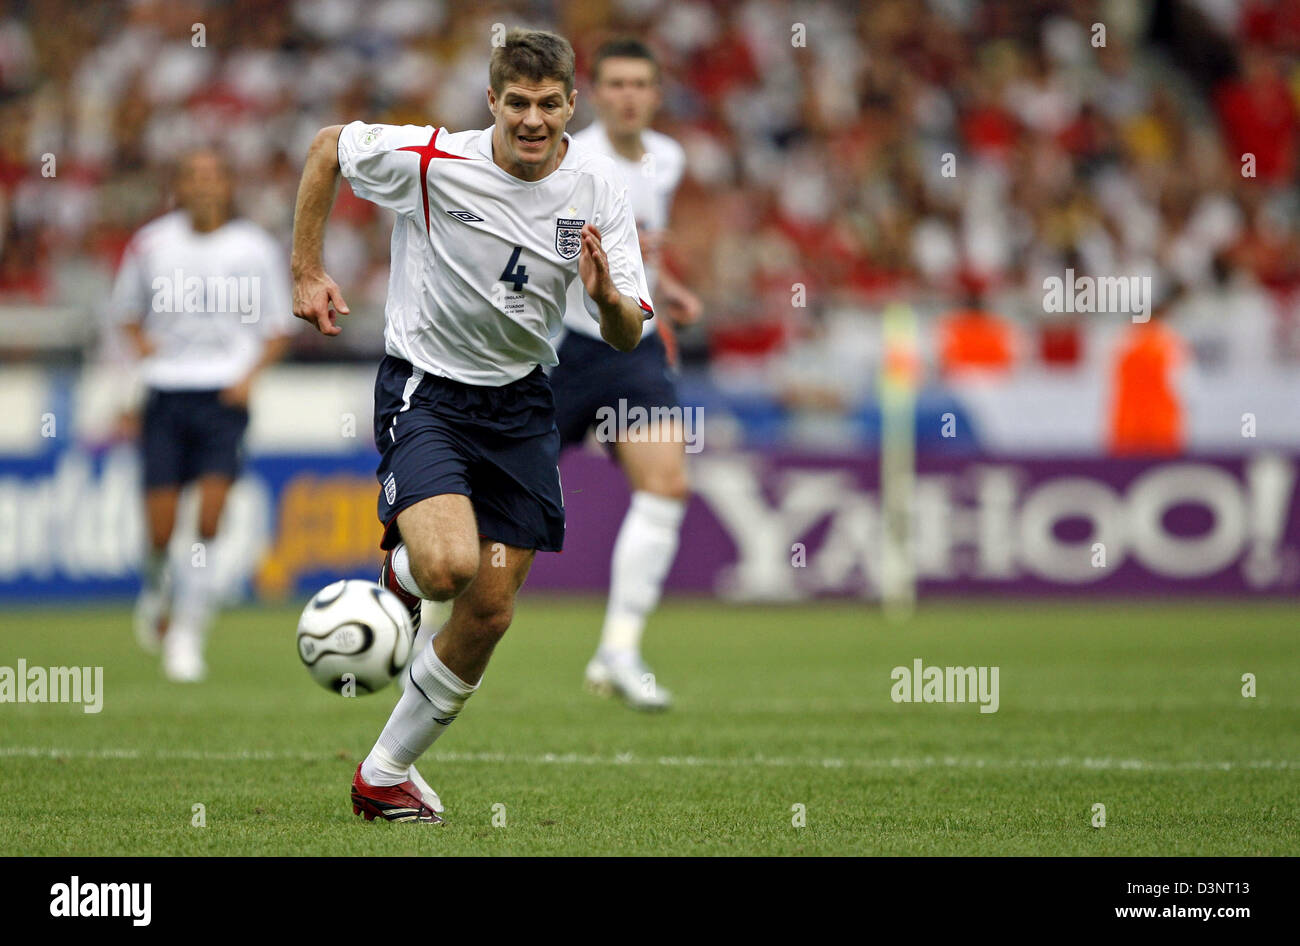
(466, 216)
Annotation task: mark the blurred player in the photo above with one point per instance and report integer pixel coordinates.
(492, 227)
(204, 300)
(591, 375)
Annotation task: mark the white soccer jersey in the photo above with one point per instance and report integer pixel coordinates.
(651, 184)
(208, 301)
(481, 260)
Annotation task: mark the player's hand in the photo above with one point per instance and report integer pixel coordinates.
(237, 394)
(316, 299)
(142, 344)
(684, 306)
(593, 270)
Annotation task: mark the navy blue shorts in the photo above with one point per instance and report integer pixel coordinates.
(592, 374)
(496, 445)
(188, 434)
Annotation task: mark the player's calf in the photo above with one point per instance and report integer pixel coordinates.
(478, 627)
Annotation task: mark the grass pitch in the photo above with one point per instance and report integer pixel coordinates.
(1135, 707)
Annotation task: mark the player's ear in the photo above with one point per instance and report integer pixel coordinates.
(492, 101)
(573, 101)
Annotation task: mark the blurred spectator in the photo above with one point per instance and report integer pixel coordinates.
(839, 155)
(974, 342)
(1146, 410)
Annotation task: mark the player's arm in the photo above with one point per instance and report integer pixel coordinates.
(274, 349)
(140, 342)
(313, 290)
(682, 304)
(130, 299)
(621, 317)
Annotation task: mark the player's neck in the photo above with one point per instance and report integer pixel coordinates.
(206, 223)
(628, 146)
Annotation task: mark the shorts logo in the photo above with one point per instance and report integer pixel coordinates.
(390, 488)
(568, 236)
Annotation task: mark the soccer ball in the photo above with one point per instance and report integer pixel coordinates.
(354, 632)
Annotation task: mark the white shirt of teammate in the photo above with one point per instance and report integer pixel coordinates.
(482, 261)
(208, 302)
(651, 183)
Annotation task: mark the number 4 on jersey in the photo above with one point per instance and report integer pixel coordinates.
(515, 274)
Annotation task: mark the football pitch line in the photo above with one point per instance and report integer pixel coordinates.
(627, 758)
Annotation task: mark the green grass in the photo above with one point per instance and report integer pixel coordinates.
(1137, 707)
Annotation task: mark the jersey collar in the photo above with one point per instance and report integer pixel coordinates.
(485, 148)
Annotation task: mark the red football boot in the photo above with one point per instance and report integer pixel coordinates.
(390, 802)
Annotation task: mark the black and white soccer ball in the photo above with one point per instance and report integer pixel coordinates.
(354, 637)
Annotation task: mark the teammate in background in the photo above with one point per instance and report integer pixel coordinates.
(492, 227)
(204, 299)
(591, 375)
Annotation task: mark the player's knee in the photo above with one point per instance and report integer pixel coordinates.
(443, 576)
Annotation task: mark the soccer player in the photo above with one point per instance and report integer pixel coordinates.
(204, 299)
(492, 226)
(591, 376)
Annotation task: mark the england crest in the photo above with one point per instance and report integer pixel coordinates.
(568, 237)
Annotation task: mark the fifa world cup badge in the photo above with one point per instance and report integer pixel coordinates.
(568, 236)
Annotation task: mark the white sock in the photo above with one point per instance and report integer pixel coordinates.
(154, 575)
(643, 553)
(402, 571)
(423, 713)
(196, 591)
(433, 615)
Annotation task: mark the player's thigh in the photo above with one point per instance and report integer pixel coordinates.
(656, 461)
(579, 384)
(213, 488)
(163, 446)
(441, 537)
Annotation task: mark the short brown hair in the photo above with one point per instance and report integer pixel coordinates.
(622, 47)
(533, 55)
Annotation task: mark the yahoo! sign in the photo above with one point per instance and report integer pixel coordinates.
(779, 525)
(767, 526)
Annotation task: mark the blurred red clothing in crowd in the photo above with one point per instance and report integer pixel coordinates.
(1146, 413)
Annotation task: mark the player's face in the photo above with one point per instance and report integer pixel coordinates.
(626, 94)
(530, 120)
(203, 186)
